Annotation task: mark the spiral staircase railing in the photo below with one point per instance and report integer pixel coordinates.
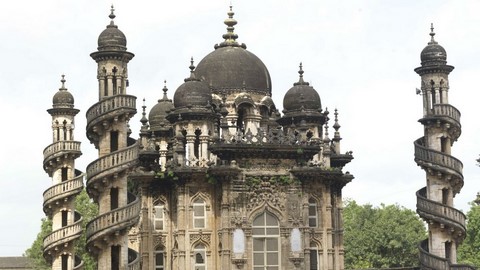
(63, 235)
(58, 196)
(78, 264)
(112, 163)
(58, 149)
(443, 214)
(105, 168)
(133, 260)
(436, 161)
(115, 220)
(62, 191)
(110, 107)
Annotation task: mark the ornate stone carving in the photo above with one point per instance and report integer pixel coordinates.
(201, 236)
(266, 189)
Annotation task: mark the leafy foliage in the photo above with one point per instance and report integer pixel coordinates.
(469, 250)
(88, 210)
(35, 252)
(381, 237)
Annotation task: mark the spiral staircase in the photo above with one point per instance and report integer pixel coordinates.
(59, 199)
(441, 121)
(111, 170)
(449, 168)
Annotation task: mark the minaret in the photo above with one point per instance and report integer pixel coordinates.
(107, 129)
(441, 121)
(67, 183)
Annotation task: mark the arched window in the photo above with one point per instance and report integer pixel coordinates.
(314, 259)
(199, 214)
(199, 257)
(312, 213)
(160, 258)
(159, 217)
(266, 242)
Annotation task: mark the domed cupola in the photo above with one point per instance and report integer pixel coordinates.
(63, 98)
(433, 53)
(301, 97)
(231, 67)
(192, 93)
(112, 38)
(433, 57)
(158, 113)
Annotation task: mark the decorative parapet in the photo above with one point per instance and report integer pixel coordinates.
(273, 136)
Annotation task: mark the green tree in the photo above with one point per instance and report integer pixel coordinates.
(381, 237)
(469, 250)
(35, 252)
(88, 210)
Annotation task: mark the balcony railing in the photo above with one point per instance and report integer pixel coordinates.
(116, 159)
(119, 218)
(437, 157)
(64, 234)
(439, 210)
(63, 189)
(110, 104)
(59, 148)
(446, 110)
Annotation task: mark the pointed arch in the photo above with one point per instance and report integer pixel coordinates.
(265, 207)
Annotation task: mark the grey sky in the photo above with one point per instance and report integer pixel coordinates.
(359, 56)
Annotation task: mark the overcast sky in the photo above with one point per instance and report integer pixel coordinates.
(359, 56)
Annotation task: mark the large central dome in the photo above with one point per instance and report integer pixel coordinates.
(232, 67)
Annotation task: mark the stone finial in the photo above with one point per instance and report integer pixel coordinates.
(63, 83)
(432, 34)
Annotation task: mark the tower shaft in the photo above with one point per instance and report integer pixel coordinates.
(67, 183)
(108, 130)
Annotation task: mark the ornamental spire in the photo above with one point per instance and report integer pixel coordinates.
(165, 89)
(300, 79)
(192, 72)
(230, 37)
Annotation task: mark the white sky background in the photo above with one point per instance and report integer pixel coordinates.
(359, 56)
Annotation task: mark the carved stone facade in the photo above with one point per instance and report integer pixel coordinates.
(219, 178)
(228, 182)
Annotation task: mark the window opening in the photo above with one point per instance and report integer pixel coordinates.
(312, 213)
(113, 141)
(113, 198)
(160, 258)
(158, 220)
(199, 257)
(266, 244)
(199, 214)
(115, 257)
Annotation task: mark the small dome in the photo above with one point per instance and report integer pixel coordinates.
(63, 98)
(232, 67)
(301, 96)
(192, 93)
(112, 38)
(433, 53)
(158, 113)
